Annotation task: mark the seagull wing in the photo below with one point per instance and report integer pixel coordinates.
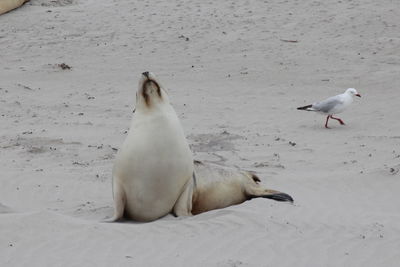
(328, 105)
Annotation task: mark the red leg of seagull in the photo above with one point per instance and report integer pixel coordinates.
(340, 121)
(326, 123)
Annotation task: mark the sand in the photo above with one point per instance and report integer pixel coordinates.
(236, 71)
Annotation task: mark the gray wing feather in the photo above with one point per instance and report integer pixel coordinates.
(328, 104)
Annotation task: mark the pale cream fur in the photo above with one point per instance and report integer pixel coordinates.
(219, 187)
(153, 168)
(8, 5)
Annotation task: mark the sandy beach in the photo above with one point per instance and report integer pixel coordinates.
(235, 71)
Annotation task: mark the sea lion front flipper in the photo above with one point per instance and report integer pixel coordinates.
(119, 203)
(278, 196)
(183, 206)
(259, 191)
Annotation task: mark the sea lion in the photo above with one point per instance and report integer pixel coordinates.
(154, 173)
(218, 187)
(8, 5)
(153, 170)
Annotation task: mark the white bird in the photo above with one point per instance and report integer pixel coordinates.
(333, 105)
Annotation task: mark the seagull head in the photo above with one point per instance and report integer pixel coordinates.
(352, 92)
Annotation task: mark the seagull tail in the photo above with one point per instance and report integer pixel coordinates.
(308, 107)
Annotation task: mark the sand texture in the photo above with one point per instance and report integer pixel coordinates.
(235, 71)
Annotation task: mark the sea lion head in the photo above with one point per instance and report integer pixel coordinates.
(150, 92)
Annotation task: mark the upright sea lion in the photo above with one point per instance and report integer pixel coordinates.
(152, 174)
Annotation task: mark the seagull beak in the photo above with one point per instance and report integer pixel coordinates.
(358, 95)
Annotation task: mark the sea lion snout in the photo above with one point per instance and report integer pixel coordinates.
(150, 90)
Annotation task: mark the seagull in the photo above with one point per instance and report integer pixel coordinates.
(333, 105)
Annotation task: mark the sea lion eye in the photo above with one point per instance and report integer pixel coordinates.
(255, 178)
